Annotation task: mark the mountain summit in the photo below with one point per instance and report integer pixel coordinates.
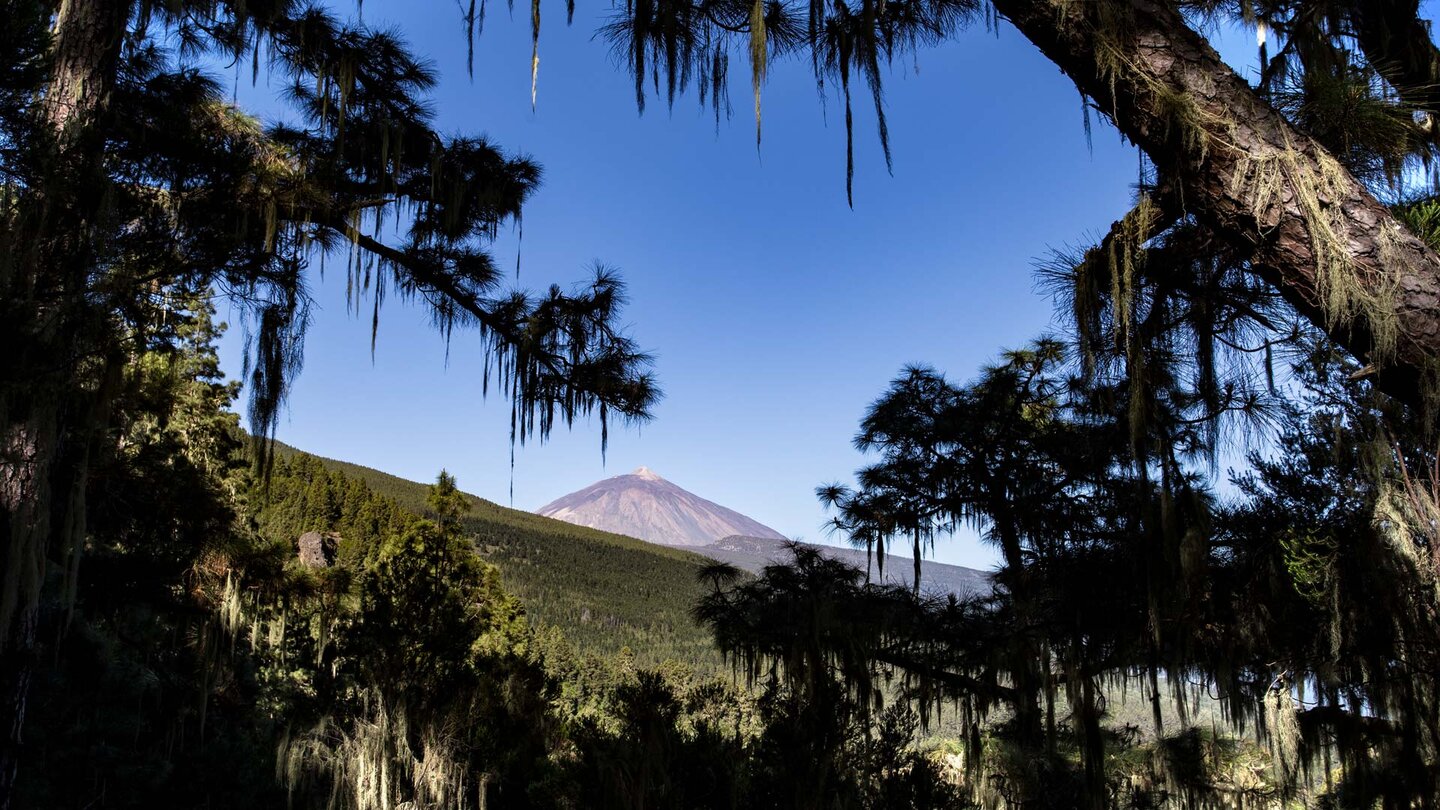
(644, 505)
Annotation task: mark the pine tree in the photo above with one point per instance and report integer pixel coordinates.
(128, 177)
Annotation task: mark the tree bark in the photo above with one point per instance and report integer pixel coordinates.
(49, 383)
(1313, 232)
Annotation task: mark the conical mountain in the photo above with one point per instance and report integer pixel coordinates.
(644, 505)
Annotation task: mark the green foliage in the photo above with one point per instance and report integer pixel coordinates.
(424, 594)
(201, 655)
(667, 749)
(300, 495)
(406, 657)
(823, 641)
(1309, 561)
(1422, 217)
(447, 502)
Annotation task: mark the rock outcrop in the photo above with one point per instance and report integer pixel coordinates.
(317, 549)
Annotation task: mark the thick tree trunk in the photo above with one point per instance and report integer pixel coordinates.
(25, 501)
(50, 380)
(1313, 232)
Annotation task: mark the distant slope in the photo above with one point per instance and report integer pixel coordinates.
(754, 553)
(604, 591)
(644, 505)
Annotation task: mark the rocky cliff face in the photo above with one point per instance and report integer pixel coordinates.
(644, 505)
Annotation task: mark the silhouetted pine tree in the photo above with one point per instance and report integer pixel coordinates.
(128, 179)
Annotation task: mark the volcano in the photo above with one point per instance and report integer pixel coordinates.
(644, 505)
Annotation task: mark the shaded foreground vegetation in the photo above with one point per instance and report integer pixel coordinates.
(204, 663)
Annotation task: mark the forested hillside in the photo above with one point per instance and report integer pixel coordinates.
(605, 591)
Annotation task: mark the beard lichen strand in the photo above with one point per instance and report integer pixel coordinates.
(1282, 734)
(534, 51)
(1407, 514)
(759, 56)
(1126, 251)
(376, 762)
(1137, 228)
(1199, 128)
(1280, 179)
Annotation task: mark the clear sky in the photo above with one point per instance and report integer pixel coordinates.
(776, 312)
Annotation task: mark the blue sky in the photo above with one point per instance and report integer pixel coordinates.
(776, 312)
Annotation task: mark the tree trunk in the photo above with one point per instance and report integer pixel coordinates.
(50, 381)
(1092, 741)
(1313, 232)
(1025, 659)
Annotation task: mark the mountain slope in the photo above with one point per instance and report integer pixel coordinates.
(604, 591)
(754, 553)
(644, 505)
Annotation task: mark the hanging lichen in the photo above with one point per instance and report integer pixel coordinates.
(1281, 178)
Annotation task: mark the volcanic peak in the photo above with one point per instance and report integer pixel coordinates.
(644, 505)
